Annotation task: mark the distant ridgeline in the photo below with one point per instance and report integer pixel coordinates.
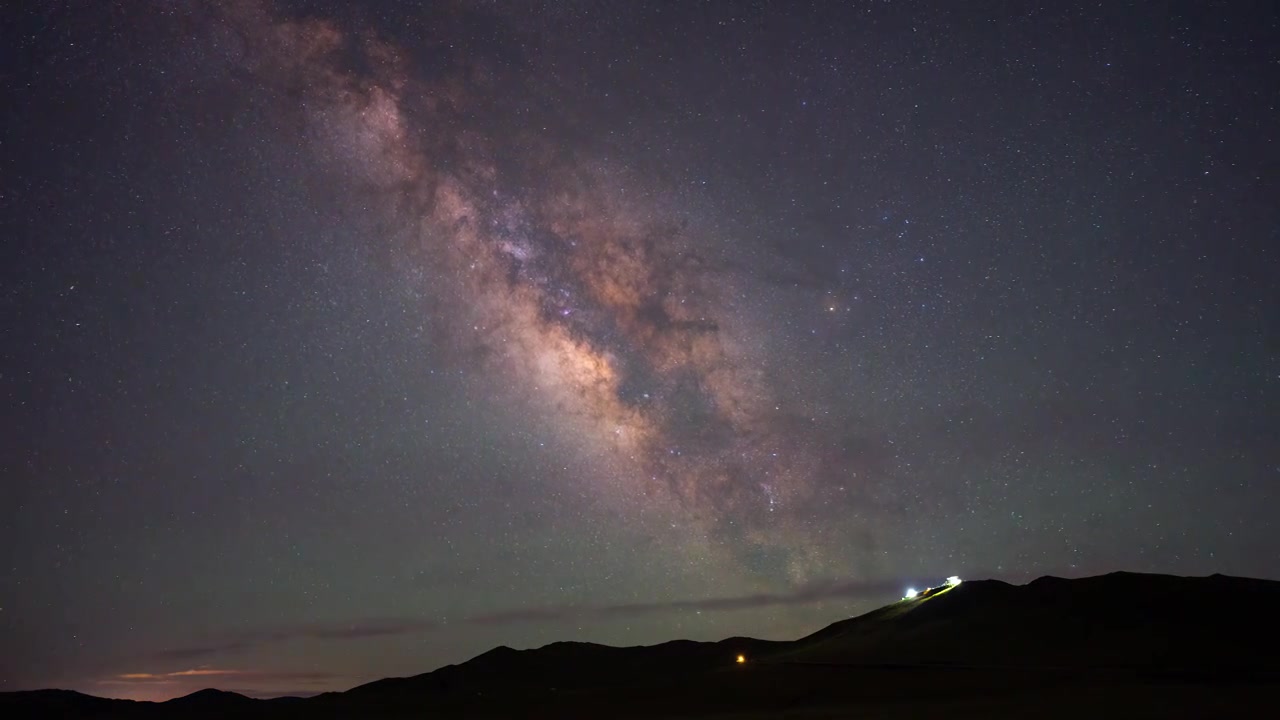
(1138, 640)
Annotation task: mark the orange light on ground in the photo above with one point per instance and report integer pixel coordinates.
(742, 659)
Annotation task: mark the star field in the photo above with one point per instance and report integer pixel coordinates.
(348, 340)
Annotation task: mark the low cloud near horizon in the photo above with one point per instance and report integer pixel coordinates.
(384, 627)
(184, 676)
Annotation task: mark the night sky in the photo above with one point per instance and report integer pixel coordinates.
(348, 340)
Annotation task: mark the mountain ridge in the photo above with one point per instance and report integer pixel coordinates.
(1126, 626)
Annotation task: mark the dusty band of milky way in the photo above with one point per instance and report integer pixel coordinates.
(598, 310)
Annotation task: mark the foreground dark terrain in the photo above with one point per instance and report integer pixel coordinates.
(1116, 645)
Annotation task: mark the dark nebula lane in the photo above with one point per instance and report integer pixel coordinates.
(603, 309)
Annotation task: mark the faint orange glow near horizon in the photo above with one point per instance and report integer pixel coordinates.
(742, 659)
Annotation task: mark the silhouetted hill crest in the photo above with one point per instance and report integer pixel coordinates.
(211, 697)
(1217, 626)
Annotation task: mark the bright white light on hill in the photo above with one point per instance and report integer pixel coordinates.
(911, 592)
(953, 580)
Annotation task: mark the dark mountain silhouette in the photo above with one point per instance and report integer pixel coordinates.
(1118, 620)
(209, 700)
(1144, 645)
(210, 696)
(61, 703)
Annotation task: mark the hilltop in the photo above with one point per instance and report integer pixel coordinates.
(1163, 645)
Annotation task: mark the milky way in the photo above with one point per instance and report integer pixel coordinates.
(596, 309)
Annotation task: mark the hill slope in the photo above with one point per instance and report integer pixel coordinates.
(1163, 645)
(1121, 620)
